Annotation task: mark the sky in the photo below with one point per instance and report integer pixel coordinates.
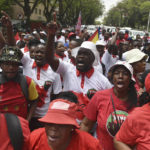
(108, 5)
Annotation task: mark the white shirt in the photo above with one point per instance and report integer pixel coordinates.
(72, 82)
(101, 37)
(61, 39)
(108, 60)
(23, 51)
(67, 57)
(99, 67)
(45, 75)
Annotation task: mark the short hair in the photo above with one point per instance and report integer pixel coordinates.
(33, 42)
(68, 95)
(142, 77)
(56, 43)
(78, 41)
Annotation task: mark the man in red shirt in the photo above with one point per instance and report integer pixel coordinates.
(5, 140)
(61, 130)
(18, 94)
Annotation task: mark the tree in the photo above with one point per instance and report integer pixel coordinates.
(133, 13)
(113, 17)
(28, 7)
(68, 10)
(5, 5)
(90, 9)
(49, 7)
(144, 9)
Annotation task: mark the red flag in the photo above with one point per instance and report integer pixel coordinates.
(78, 26)
(17, 37)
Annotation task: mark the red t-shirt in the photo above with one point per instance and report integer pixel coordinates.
(126, 36)
(5, 143)
(80, 141)
(136, 129)
(100, 109)
(12, 99)
(118, 41)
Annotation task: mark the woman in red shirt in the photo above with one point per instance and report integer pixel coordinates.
(135, 131)
(110, 107)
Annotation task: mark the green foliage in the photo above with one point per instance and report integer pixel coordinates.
(68, 10)
(90, 9)
(5, 5)
(133, 13)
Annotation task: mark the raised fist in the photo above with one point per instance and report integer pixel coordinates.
(52, 26)
(5, 20)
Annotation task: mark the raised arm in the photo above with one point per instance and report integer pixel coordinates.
(87, 125)
(120, 145)
(114, 38)
(51, 60)
(8, 28)
(2, 41)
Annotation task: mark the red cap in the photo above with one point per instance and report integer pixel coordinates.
(70, 34)
(61, 112)
(147, 83)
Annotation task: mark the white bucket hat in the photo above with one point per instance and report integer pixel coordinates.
(101, 42)
(92, 47)
(126, 65)
(134, 55)
(88, 45)
(74, 51)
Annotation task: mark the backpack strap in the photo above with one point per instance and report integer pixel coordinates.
(24, 85)
(14, 131)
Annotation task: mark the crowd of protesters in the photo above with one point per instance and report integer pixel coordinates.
(60, 91)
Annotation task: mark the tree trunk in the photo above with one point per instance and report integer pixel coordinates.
(60, 11)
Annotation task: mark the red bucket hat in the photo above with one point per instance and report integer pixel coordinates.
(61, 112)
(147, 83)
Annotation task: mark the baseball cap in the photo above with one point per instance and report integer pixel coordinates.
(11, 54)
(61, 112)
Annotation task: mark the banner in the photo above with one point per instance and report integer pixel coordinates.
(78, 26)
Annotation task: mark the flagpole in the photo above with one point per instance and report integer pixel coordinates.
(148, 21)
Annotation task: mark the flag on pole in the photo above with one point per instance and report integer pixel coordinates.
(95, 36)
(78, 26)
(17, 37)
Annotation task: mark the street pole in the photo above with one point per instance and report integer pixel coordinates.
(148, 21)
